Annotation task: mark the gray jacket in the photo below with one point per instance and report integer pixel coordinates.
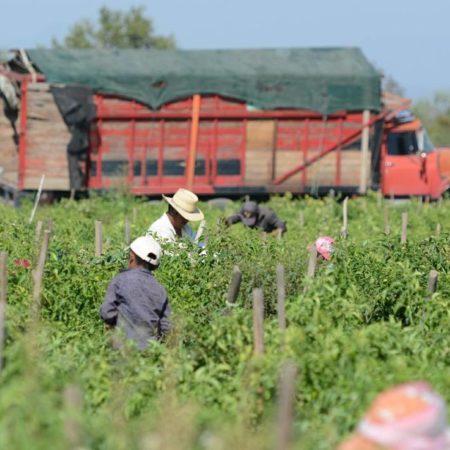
(267, 220)
(138, 304)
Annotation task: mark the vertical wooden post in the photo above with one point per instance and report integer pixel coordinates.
(72, 195)
(50, 225)
(3, 294)
(286, 406)
(364, 153)
(301, 218)
(281, 294)
(192, 156)
(404, 227)
(127, 231)
(98, 238)
(38, 231)
(134, 215)
(39, 273)
(73, 403)
(312, 262)
(258, 321)
(344, 229)
(387, 227)
(379, 198)
(432, 283)
(438, 229)
(235, 285)
(38, 197)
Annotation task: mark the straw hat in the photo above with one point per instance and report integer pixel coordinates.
(185, 203)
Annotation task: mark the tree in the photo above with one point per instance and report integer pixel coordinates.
(116, 29)
(435, 115)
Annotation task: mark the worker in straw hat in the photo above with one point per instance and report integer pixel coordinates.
(410, 416)
(135, 301)
(174, 224)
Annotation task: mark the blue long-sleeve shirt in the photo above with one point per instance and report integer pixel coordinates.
(136, 302)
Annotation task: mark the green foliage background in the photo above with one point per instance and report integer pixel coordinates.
(359, 326)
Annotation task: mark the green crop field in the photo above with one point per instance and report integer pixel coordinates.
(362, 324)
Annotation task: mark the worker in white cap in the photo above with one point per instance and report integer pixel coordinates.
(174, 224)
(135, 301)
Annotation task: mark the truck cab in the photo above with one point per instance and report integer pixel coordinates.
(409, 160)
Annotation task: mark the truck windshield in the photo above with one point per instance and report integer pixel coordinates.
(404, 143)
(424, 141)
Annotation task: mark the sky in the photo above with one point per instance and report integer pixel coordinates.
(408, 40)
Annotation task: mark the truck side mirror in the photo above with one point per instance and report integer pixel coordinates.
(423, 164)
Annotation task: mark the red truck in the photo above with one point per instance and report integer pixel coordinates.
(220, 122)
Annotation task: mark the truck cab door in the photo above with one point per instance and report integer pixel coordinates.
(404, 168)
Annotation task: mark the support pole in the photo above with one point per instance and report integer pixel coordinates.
(235, 285)
(281, 294)
(404, 227)
(312, 262)
(258, 321)
(39, 273)
(192, 156)
(38, 197)
(364, 153)
(3, 293)
(344, 229)
(127, 231)
(98, 238)
(387, 227)
(432, 283)
(286, 406)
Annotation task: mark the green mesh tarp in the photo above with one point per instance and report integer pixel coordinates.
(319, 79)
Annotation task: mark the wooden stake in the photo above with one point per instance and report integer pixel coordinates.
(192, 155)
(3, 294)
(344, 229)
(39, 273)
(312, 262)
(281, 293)
(127, 231)
(365, 160)
(98, 238)
(235, 285)
(134, 215)
(432, 283)
(50, 225)
(301, 218)
(404, 227)
(286, 406)
(73, 402)
(38, 197)
(72, 195)
(258, 321)
(379, 199)
(37, 234)
(438, 229)
(387, 227)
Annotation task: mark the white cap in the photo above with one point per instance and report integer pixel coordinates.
(147, 249)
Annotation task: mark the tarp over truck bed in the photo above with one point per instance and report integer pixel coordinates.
(324, 80)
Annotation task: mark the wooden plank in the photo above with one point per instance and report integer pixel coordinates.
(259, 134)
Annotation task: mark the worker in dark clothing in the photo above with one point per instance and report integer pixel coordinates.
(254, 216)
(135, 301)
